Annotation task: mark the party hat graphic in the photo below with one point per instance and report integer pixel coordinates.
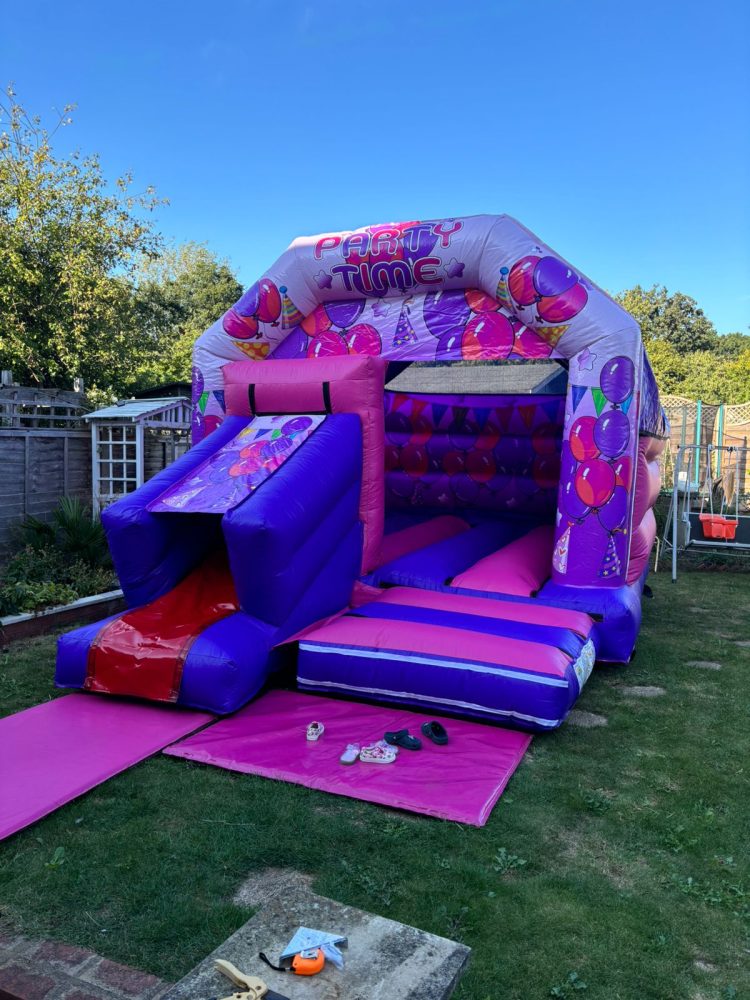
(255, 351)
(560, 555)
(405, 332)
(501, 292)
(611, 565)
(551, 334)
(290, 314)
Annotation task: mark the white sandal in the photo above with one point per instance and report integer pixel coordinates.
(315, 730)
(350, 755)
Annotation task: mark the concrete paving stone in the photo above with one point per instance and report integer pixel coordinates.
(385, 960)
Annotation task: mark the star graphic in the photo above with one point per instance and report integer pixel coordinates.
(380, 308)
(586, 360)
(455, 268)
(323, 280)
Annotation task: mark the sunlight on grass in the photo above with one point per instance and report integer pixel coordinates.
(616, 866)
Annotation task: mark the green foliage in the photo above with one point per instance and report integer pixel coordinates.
(675, 319)
(605, 894)
(72, 531)
(58, 562)
(178, 295)
(686, 354)
(69, 246)
(86, 284)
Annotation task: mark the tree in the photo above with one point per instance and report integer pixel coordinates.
(732, 345)
(675, 319)
(69, 248)
(177, 296)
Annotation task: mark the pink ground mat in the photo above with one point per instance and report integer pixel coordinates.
(54, 752)
(461, 781)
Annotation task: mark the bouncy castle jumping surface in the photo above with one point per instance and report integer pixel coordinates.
(459, 552)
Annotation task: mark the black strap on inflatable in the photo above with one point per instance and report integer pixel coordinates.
(326, 387)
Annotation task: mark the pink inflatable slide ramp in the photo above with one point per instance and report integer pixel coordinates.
(54, 752)
(461, 781)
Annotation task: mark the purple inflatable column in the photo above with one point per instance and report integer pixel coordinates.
(600, 442)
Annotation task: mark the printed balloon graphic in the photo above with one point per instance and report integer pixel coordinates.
(249, 303)
(293, 346)
(239, 327)
(463, 432)
(414, 460)
(617, 379)
(318, 321)
(582, 443)
(528, 343)
(612, 433)
(436, 491)
(397, 428)
(269, 302)
(326, 345)
(198, 385)
(363, 339)
(449, 346)
(454, 461)
(613, 514)
(553, 277)
(197, 428)
(595, 482)
(344, 314)
(445, 312)
(521, 281)
(481, 466)
(489, 435)
(421, 429)
(392, 457)
(545, 440)
(546, 471)
(623, 471)
(479, 301)
(559, 308)
(464, 488)
(487, 336)
(401, 484)
(210, 422)
(572, 504)
(296, 425)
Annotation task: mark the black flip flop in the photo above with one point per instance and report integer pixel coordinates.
(401, 738)
(435, 731)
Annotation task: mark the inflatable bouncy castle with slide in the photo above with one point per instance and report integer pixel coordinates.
(457, 551)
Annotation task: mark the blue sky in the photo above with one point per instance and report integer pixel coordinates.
(619, 133)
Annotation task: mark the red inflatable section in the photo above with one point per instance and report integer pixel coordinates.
(141, 653)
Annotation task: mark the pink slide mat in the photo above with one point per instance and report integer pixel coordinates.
(54, 752)
(461, 781)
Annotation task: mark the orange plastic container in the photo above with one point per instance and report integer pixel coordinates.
(717, 526)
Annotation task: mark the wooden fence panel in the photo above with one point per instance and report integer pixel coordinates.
(37, 468)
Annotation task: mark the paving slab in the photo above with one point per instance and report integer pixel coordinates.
(385, 960)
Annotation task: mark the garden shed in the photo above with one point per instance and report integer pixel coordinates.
(132, 440)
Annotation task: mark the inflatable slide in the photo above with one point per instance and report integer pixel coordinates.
(462, 551)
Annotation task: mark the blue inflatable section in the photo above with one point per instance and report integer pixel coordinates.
(293, 549)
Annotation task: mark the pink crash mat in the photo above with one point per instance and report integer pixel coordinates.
(54, 752)
(461, 781)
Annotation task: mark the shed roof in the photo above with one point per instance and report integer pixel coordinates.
(133, 410)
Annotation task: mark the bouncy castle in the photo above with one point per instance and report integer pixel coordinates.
(467, 552)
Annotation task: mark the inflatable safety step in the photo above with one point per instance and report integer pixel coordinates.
(510, 661)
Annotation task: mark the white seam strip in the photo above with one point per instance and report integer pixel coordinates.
(376, 654)
(421, 697)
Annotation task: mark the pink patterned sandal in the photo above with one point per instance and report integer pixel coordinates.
(314, 731)
(377, 753)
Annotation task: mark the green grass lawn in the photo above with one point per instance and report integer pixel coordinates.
(616, 864)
